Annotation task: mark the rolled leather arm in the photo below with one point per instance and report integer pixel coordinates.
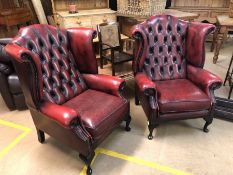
(17, 52)
(145, 85)
(61, 114)
(204, 79)
(5, 69)
(105, 83)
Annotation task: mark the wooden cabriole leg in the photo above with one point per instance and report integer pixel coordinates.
(41, 136)
(151, 129)
(87, 160)
(128, 120)
(209, 119)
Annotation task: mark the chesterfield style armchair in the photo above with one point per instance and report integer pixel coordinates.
(66, 96)
(171, 83)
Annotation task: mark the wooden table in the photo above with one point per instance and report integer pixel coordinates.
(15, 16)
(128, 21)
(224, 23)
(123, 37)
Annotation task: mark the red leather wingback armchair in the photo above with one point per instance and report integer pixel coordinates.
(66, 96)
(171, 83)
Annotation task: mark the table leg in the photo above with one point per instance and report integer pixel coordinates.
(214, 38)
(220, 37)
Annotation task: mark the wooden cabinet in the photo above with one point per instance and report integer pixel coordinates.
(207, 9)
(86, 18)
(14, 16)
(90, 13)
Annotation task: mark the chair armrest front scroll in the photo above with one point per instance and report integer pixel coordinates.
(207, 81)
(68, 118)
(145, 85)
(105, 83)
(61, 114)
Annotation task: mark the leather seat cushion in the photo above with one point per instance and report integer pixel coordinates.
(14, 84)
(181, 95)
(99, 111)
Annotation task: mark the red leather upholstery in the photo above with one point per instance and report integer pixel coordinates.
(99, 110)
(187, 96)
(78, 109)
(83, 48)
(104, 83)
(168, 59)
(203, 79)
(164, 52)
(51, 52)
(63, 115)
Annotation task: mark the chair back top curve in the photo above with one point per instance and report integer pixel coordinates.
(163, 40)
(109, 34)
(59, 79)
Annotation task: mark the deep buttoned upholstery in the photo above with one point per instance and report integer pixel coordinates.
(168, 64)
(164, 58)
(61, 79)
(66, 96)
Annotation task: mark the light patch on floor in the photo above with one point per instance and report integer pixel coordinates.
(13, 143)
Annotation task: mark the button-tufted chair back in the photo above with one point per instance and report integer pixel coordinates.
(59, 77)
(164, 41)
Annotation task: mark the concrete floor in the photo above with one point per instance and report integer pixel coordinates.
(180, 145)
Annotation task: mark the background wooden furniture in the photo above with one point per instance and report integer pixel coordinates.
(207, 9)
(15, 16)
(140, 7)
(110, 40)
(224, 24)
(90, 13)
(128, 21)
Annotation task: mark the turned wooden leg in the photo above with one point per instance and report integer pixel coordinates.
(41, 136)
(215, 38)
(220, 37)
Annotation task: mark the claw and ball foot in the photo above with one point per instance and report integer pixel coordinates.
(151, 129)
(89, 170)
(205, 129)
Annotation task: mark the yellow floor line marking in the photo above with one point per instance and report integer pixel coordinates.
(136, 161)
(17, 139)
(98, 151)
